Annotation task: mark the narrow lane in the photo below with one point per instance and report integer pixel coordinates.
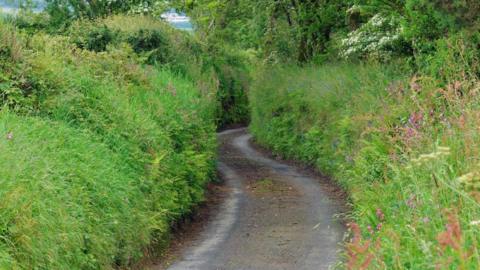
(275, 217)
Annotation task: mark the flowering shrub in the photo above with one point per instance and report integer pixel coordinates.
(380, 37)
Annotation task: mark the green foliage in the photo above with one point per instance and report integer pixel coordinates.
(455, 59)
(281, 30)
(67, 200)
(63, 12)
(423, 22)
(314, 30)
(93, 9)
(233, 74)
(155, 43)
(152, 41)
(109, 152)
(97, 39)
(405, 150)
(431, 20)
(30, 22)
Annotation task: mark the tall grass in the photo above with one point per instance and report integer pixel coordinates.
(68, 201)
(405, 149)
(208, 65)
(100, 153)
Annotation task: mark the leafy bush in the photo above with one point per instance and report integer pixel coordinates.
(232, 71)
(97, 39)
(74, 9)
(147, 40)
(381, 37)
(30, 22)
(411, 27)
(156, 43)
(431, 20)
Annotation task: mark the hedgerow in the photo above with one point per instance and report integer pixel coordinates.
(156, 43)
(404, 148)
(101, 153)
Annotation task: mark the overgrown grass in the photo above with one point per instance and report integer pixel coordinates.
(68, 201)
(155, 42)
(405, 148)
(103, 155)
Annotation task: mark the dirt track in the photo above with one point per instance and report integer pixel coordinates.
(274, 216)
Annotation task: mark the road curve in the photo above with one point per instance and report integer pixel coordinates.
(275, 217)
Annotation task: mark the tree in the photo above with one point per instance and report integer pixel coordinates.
(98, 8)
(297, 29)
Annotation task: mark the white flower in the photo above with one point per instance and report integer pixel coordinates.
(475, 223)
(375, 37)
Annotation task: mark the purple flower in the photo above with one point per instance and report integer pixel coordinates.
(411, 202)
(410, 133)
(380, 214)
(416, 120)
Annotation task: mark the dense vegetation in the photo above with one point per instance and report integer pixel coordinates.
(405, 151)
(117, 113)
(108, 136)
(390, 111)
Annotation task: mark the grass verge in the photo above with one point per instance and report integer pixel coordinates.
(101, 153)
(404, 148)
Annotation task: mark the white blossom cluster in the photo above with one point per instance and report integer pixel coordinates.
(378, 37)
(143, 7)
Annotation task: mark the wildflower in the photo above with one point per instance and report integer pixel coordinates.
(411, 202)
(9, 136)
(416, 120)
(466, 177)
(377, 37)
(360, 251)
(475, 223)
(380, 214)
(452, 236)
(414, 85)
(443, 149)
(425, 158)
(410, 132)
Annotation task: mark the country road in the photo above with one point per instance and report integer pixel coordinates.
(275, 216)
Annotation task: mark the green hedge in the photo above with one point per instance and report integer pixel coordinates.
(100, 154)
(156, 43)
